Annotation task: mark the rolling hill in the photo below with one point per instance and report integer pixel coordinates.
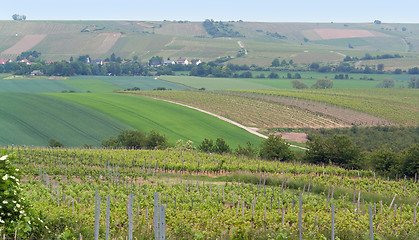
(300, 42)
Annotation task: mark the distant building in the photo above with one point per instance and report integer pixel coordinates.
(37, 73)
(196, 61)
(25, 61)
(182, 61)
(168, 62)
(155, 64)
(96, 61)
(4, 61)
(49, 62)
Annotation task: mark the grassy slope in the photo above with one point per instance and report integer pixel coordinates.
(175, 121)
(397, 105)
(33, 119)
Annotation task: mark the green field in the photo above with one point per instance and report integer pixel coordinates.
(281, 83)
(33, 119)
(176, 122)
(34, 85)
(77, 119)
(96, 84)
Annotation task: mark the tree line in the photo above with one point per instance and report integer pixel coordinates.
(335, 146)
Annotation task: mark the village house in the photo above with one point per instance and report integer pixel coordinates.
(196, 61)
(37, 73)
(25, 61)
(168, 62)
(4, 61)
(182, 61)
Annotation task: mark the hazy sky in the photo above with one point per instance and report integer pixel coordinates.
(401, 11)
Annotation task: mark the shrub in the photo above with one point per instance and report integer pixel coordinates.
(275, 148)
(337, 149)
(322, 84)
(298, 84)
(15, 211)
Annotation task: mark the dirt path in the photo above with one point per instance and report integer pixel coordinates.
(241, 45)
(249, 129)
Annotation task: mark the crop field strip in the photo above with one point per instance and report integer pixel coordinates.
(399, 106)
(214, 196)
(269, 111)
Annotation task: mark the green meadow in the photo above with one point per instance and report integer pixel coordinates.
(34, 119)
(176, 122)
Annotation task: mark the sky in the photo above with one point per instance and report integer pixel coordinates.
(349, 11)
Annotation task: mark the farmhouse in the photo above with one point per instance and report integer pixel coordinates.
(168, 62)
(182, 61)
(196, 61)
(37, 73)
(25, 61)
(4, 61)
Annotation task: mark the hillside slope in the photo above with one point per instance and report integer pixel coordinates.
(301, 42)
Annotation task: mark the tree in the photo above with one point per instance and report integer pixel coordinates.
(385, 161)
(298, 84)
(156, 140)
(410, 164)
(380, 67)
(322, 84)
(206, 145)
(275, 63)
(337, 149)
(386, 83)
(273, 75)
(18, 17)
(249, 150)
(55, 143)
(275, 148)
(314, 66)
(221, 146)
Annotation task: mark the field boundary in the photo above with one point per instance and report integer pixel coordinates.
(249, 129)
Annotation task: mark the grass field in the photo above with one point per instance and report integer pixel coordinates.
(176, 122)
(34, 85)
(33, 119)
(282, 83)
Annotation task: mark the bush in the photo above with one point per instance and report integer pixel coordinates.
(55, 143)
(15, 211)
(248, 150)
(137, 140)
(322, 84)
(220, 146)
(337, 149)
(275, 148)
(298, 84)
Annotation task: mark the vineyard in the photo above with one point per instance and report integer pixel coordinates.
(396, 105)
(267, 111)
(91, 193)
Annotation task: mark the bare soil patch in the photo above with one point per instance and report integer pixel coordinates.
(293, 136)
(327, 34)
(24, 44)
(108, 42)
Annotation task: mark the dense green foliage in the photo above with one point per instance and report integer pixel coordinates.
(336, 150)
(374, 138)
(220, 29)
(275, 148)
